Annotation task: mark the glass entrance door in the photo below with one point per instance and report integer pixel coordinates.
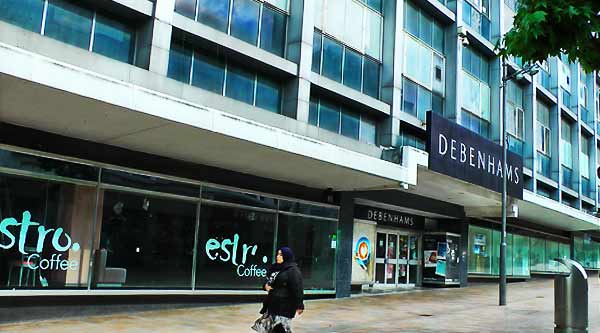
(396, 258)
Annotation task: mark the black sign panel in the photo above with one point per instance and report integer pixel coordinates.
(460, 153)
(389, 217)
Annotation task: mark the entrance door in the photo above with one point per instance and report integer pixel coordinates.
(396, 258)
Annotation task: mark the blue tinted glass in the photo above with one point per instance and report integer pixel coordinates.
(186, 7)
(214, 13)
(485, 27)
(426, 29)
(313, 112)
(180, 61)
(113, 39)
(69, 23)
(240, 85)
(268, 94)
(209, 73)
(476, 65)
(244, 20)
(409, 97)
(25, 13)
(466, 59)
(466, 14)
(371, 78)
(437, 104)
(329, 117)
(438, 38)
(375, 4)
(350, 124)
(332, 59)
(411, 20)
(316, 56)
(272, 31)
(352, 69)
(423, 102)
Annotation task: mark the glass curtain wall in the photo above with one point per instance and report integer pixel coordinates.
(74, 24)
(543, 140)
(475, 92)
(586, 252)
(148, 232)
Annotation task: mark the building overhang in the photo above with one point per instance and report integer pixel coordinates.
(45, 94)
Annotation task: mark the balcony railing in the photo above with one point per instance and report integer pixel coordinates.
(543, 79)
(566, 98)
(544, 165)
(474, 19)
(587, 117)
(567, 177)
(515, 144)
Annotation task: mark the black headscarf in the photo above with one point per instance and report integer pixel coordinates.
(288, 259)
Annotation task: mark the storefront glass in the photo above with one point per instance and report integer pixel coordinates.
(520, 255)
(552, 252)
(538, 254)
(480, 250)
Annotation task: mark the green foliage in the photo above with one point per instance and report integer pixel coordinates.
(545, 28)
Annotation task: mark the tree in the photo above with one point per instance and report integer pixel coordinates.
(544, 28)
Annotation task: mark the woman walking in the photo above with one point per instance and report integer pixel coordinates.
(285, 295)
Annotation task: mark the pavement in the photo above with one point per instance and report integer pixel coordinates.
(474, 309)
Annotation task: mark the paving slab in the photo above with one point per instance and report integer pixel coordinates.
(464, 310)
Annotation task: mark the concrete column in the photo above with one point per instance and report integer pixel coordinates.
(299, 50)
(343, 267)
(162, 29)
(391, 73)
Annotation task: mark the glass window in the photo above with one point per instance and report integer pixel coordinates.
(425, 70)
(310, 239)
(552, 253)
(180, 62)
(437, 104)
(423, 102)
(438, 37)
(411, 19)
(272, 31)
(317, 48)
(46, 166)
(566, 144)
(471, 94)
(186, 8)
(244, 20)
(148, 183)
(209, 73)
(332, 59)
(113, 39)
(334, 18)
(329, 117)
(426, 29)
(412, 58)
(240, 85)
(69, 23)
(352, 69)
(373, 35)
(480, 247)
(268, 94)
(350, 124)
(368, 131)
(60, 218)
(375, 4)
(520, 255)
(538, 254)
(439, 74)
(371, 78)
(409, 97)
(25, 13)
(214, 13)
(235, 245)
(145, 242)
(353, 31)
(313, 111)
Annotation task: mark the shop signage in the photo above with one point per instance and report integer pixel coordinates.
(33, 259)
(227, 250)
(460, 153)
(389, 217)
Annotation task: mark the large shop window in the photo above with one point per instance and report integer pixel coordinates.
(215, 73)
(341, 63)
(260, 23)
(71, 23)
(339, 119)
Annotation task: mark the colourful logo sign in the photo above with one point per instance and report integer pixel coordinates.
(362, 252)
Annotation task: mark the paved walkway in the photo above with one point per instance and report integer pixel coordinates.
(473, 309)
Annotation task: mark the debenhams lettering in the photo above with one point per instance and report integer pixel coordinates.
(475, 158)
(376, 215)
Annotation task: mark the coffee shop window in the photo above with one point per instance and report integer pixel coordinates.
(46, 228)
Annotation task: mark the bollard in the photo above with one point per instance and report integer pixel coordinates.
(571, 299)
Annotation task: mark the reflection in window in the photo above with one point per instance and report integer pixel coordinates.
(63, 210)
(69, 23)
(240, 85)
(332, 60)
(180, 63)
(244, 20)
(113, 39)
(186, 7)
(209, 72)
(272, 31)
(145, 242)
(268, 95)
(310, 239)
(25, 13)
(338, 119)
(214, 13)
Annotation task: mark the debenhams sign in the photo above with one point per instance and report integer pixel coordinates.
(458, 152)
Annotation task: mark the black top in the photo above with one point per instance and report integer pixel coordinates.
(287, 294)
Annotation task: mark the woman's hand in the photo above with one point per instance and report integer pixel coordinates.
(299, 312)
(268, 287)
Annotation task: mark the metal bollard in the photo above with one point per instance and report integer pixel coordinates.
(571, 299)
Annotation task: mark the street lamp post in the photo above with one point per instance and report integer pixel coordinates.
(531, 70)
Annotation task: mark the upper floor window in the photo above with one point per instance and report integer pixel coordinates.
(475, 14)
(215, 73)
(260, 23)
(341, 63)
(475, 87)
(543, 129)
(514, 110)
(342, 120)
(424, 27)
(356, 23)
(70, 23)
(566, 144)
(584, 164)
